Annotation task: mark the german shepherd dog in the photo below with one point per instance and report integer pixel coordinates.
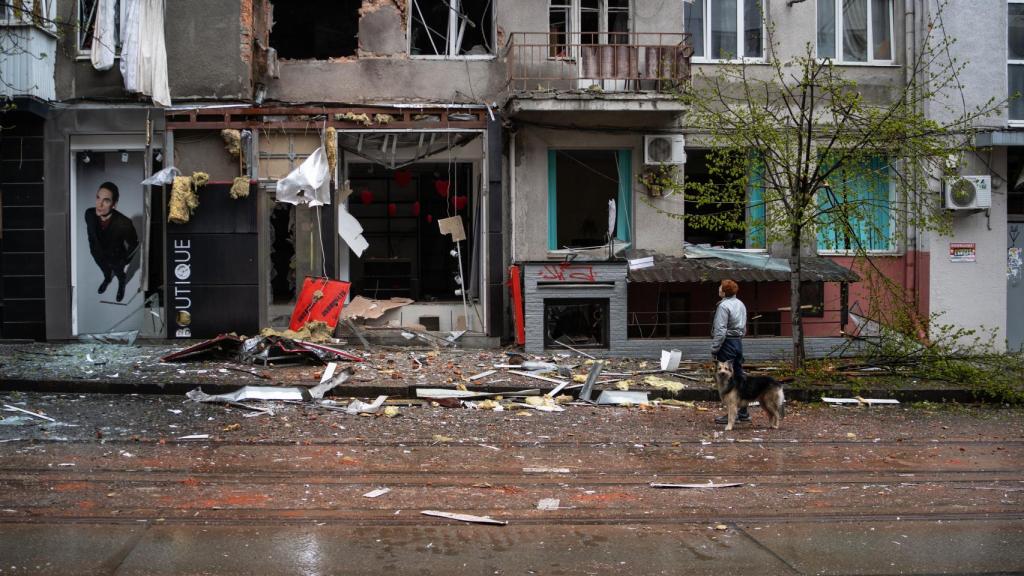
(736, 395)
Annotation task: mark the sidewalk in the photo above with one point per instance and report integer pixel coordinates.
(386, 370)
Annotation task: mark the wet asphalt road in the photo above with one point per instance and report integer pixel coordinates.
(112, 488)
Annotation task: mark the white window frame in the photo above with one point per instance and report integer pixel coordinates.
(47, 13)
(453, 24)
(1009, 62)
(740, 29)
(837, 7)
(575, 32)
(83, 54)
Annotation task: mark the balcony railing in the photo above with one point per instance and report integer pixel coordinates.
(27, 58)
(607, 62)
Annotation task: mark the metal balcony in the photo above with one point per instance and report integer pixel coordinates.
(27, 62)
(614, 62)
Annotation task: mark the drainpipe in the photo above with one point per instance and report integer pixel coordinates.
(512, 190)
(910, 266)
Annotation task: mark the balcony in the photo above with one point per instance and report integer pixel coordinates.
(29, 51)
(639, 70)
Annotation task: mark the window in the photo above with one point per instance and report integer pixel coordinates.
(708, 177)
(87, 23)
(451, 27)
(1015, 53)
(725, 29)
(38, 12)
(856, 209)
(593, 22)
(865, 30)
(580, 185)
(315, 29)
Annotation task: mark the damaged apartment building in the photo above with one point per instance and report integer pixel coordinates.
(485, 168)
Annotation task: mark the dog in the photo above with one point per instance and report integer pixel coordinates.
(736, 395)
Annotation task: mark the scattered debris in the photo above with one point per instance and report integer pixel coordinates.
(483, 374)
(195, 437)
(360, 407)
(588, 387)
(546, 471)
(859, 400)
(664, 384)
(670, 360)
(377, 492)
(464, 517)
(9, 408)
(620, 398)
(548, 504)
(697, 486)
(263, 349)
(439, 393)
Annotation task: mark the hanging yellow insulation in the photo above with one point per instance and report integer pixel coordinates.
(239, 188)
(185, 197)
(332, 150)
(232, 142)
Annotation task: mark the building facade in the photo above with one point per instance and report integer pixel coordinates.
(535, 122)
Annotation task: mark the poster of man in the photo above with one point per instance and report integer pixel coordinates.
(108, 218)
(112, 238)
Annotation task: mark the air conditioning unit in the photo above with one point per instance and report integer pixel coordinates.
(664, 149)
(968, 193)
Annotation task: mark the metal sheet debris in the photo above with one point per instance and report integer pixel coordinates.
(483, 374)
(859, 400)
(253, 393)
(670, 360)
(439, 393)
(464, 517)
(588, 386)
(376, 493)
(195, 437)
(697, 486)
(9, 408)
(360, 407)
(542, 470)
(622, 398)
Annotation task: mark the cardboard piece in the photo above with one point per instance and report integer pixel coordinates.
(453, 226)
(361, 307)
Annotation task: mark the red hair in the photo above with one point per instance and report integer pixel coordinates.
(729, 288)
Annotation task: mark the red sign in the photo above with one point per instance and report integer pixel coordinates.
(321, 300)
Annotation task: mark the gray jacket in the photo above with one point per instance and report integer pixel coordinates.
(730, 321)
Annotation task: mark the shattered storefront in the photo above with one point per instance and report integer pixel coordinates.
(392, 201)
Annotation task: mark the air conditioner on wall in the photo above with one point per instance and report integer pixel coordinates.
(664, 149)
(968, 193)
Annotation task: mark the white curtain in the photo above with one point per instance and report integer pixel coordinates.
(855, 30)
(104, 39)
(144, 50)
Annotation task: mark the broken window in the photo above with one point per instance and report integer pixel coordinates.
(580, 323)
(399, 210)
(315, 29)
(87, 13)
(724, 204)
(559, 27)
(580, 185)
(812, 299)
(451, 27)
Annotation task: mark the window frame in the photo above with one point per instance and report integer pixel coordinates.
(452, 17)
(85, 54)
(740, 29)
(574, 30)
(623, 197)
(893, 249)
(47, 13)
(837, 7)
(1011, 121)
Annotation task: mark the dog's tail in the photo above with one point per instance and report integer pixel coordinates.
(782, 403)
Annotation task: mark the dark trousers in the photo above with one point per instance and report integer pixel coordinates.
(113, 270)
(732, 349)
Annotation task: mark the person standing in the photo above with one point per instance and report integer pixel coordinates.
(727, 332)
(112, 238)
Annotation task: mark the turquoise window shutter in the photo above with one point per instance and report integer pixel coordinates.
(756, 208)
(552, 201)
(880, 233)
(624, 203)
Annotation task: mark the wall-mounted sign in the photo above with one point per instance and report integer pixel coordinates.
(962, 252)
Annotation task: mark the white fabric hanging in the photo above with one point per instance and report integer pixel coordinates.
(144, 50)
(104, 39)
(130, 44)
(310, 183)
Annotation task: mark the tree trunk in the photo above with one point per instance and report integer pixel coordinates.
(794, 299)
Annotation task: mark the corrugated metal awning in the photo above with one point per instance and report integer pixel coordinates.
(680, 269)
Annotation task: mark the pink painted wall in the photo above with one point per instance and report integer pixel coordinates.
(910, 271)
